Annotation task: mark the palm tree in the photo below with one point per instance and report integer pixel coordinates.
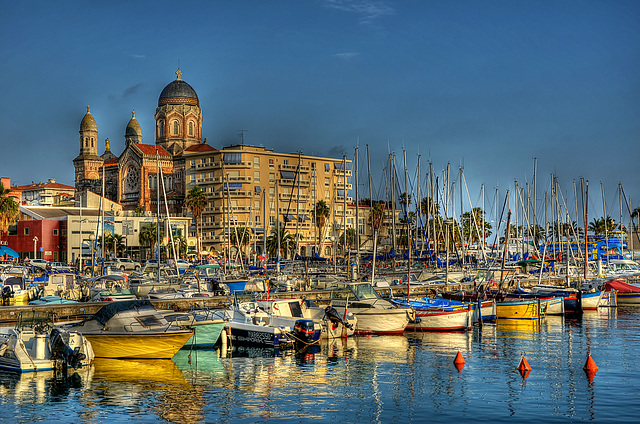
(377, 219)
(196, 201)
(149, 235)
(8, 209)
(240, 238)
(321, 215)
(287, 243)
(472, 225)
(427, 205)
(351, 239)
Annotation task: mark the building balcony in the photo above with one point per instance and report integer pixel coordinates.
(303, 169)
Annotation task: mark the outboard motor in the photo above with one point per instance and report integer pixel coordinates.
(333, 316)
(304, 330)
(62, 353)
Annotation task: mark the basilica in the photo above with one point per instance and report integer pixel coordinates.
(132, 178)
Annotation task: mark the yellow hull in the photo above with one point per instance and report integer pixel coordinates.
(518, 310)
(143, 346)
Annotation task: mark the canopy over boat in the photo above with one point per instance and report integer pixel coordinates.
(621, 287)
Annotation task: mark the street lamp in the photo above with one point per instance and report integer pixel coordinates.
(35, 246)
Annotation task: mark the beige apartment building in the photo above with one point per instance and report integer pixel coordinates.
(253, 187)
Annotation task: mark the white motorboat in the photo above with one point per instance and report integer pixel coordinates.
(36, 345)
(374, 314)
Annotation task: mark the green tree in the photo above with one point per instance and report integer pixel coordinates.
(240, 237)
(8, 209)
(472, 226)
(428, 206)
(351, 239)
(196, 201)
(287, 243)
(149, 235)
(321, 215)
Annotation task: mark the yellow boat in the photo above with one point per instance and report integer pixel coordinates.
(132, 329)
(521, 309)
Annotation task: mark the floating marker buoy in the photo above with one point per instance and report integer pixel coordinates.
(524, 365)
(459, 366)
(590, 365)
(459, 359)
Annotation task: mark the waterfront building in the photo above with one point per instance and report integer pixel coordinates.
(246, 186)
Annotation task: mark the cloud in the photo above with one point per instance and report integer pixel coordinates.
(369, 10)
(129, 91)
(346, 55)
(138, 56)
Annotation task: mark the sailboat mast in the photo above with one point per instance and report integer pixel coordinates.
(375, 231)
(406, 213)
(586, 220)
(157, 214)
(357, 221)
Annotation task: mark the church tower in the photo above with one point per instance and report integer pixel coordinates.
(87, 164)
(178, 117)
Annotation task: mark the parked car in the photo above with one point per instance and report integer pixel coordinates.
(40, 263)
(125, 264)
(59, 266)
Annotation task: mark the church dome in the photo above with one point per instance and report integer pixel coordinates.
(133, 129)
(88, 123)
(178, 92)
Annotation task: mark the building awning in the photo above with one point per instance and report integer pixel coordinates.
(303, 218)
(233, 186)
(257, 189)
(288, 217)
(287, 175)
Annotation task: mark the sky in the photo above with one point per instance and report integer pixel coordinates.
(491, 87)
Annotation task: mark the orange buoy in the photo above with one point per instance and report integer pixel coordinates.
(524, 373)
(524, 365)
(590, 375)
(590, 365)
(459, 359)
(459, 366)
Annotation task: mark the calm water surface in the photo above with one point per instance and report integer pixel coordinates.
(387, 379)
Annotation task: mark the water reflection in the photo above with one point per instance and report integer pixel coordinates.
(41, 387)
(144, 386)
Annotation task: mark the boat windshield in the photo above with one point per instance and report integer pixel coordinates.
(365, 291)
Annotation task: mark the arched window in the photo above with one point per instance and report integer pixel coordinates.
(190, 128)
(86, 142)
(176, 128)
(92, 142)
(161, 124)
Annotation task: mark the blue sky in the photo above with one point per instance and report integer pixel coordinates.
(489, 85)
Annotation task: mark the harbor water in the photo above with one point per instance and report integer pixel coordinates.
(384, 379)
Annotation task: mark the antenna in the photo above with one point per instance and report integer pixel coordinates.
(242, 136)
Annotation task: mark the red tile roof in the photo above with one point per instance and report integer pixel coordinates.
(43, 185)
(150, 149)
(199, 148)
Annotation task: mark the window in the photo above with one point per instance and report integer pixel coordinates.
(286, 161)
(190, 128)
(161, 130)
(26, 231)
(176, 128)
(270, 163)
(55, 231)
(256, 205)
(272, 192)
(272, 177)
(256, 161)
(327, 182)
(232, 158)
(360, 226)
(272, 206)
(203, 161)
(327, 168)
(193, 163)
(313, 165)
(256, 176)
(86, 142)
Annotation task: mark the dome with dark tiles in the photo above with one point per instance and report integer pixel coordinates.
(178, 92)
